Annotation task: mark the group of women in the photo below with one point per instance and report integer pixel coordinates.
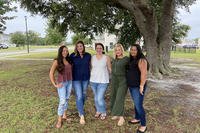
(79, 69)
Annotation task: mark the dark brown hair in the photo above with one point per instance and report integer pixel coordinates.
(59, 59)
(100, 44)
(76, 51)
(139, 55)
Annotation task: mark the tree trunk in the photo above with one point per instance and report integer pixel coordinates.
(165, 35)
(157, 35)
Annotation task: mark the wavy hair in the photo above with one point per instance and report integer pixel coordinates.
(60, 58)
(76, 45)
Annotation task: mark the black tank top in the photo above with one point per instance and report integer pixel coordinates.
(133, 74)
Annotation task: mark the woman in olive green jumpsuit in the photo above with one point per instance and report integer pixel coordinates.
(119, 84)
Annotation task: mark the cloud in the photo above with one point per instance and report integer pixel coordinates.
(36, 23)
(192, 19)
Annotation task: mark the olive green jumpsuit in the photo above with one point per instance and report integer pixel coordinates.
(118, 86)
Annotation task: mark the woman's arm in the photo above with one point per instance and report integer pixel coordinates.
(109, 64)
(52, 71)
(143, 77)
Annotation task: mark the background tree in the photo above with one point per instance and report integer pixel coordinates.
(128, 33)
(80, 36)
(18, 38)
(53, 36)
(179, 31)
(33, 37)
(5, 6)
(196, 40)
(41, 41)
(153, 19)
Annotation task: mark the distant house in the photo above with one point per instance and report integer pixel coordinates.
(108, 40)
(199, 42)
(5, 39)
(186, 42)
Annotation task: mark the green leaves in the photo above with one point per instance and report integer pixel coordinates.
(18, 38)
(179, 31)
(80, 36)
(94, 16)
(5, 6)
(53, 36)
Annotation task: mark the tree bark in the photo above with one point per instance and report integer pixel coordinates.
(165, 35)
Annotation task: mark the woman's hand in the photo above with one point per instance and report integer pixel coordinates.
(59, 85)
(141, 90)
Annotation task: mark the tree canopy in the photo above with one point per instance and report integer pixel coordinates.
(151, 19)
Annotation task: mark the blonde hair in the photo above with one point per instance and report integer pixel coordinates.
(118, 45)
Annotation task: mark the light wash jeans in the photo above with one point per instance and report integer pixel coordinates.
(64, 94)
(80, 88)
(99, 90)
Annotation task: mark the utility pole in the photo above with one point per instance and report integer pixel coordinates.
(27, 39)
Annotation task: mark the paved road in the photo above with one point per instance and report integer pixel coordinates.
(22, 52)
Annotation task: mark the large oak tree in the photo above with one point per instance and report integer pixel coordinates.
(152, 18)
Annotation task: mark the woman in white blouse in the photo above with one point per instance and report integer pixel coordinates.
(99, 79)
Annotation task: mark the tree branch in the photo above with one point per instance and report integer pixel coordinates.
(143, 14)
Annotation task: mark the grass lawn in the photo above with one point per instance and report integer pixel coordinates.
(193, 56)
(44, 55)
(29, 102)
(51, 55)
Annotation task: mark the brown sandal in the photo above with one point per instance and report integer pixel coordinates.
(134, 121)
(59, 124)
(97, 115)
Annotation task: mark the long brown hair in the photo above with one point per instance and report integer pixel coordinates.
(76, 51)
(59, 59)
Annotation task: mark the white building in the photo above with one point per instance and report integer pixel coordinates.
(108, 40)
(5, 39)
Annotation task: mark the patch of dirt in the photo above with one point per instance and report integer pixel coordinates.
(181, 95)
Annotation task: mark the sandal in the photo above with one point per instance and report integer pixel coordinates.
(97, 115)
(115, 118)
(82, 120)
(121, 121)
(139, 131)
(103, 116)
(59, 124)
(134, 121)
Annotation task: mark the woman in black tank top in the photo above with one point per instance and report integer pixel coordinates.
(136, 80)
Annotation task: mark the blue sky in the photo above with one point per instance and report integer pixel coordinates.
(38, 23)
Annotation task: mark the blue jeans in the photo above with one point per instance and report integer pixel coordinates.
(99, 90)
(138, 104)
(64, 94)
(80, 88)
